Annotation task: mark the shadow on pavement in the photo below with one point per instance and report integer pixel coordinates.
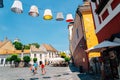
(34, 78)
(73, 68)
(46, 77)
(84, 76)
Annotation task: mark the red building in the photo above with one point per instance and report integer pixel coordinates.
(106, 14)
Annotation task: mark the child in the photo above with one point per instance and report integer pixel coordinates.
(32, 68)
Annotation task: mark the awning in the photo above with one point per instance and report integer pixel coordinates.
(56, 59)
(102, 46)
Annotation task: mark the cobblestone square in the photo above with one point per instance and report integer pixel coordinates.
(52, 73)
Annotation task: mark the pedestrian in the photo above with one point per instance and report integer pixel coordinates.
(35, 66)
(33, 69)
(42, 66)
(30, 67)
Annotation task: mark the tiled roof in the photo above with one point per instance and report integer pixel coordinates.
(15, 51)
(33, 48)
(0, 43)
(3, 43)
(6, 47)
(49, 47)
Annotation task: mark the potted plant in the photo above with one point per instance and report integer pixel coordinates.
(26, 60)
(34, 60)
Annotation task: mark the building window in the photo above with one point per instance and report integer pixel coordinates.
(53, 55)
(49, 55)
(40, 56)
(101, 6)
(34, 55)
(2, 61)
(77, 33)
(105, 14)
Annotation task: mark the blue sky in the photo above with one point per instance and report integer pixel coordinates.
(35, 29)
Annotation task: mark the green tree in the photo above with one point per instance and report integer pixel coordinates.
(67, 59)
(63, 55)
(8, 59)
(18, 45)
(36, 45)
(34, 59)
(14, 57)
(26, 59)
(26, 46)
(17, 60)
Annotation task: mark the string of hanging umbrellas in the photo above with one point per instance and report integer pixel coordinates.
(17, 8)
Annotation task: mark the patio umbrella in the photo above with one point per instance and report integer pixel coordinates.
(56, 59)
(102, 46)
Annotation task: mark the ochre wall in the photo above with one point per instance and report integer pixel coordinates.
(91, 38)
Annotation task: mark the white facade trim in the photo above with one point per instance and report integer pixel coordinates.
(45, 56)
(112, 14)
(70, 32)
(108, 6)
(94, 14)
(97, 1)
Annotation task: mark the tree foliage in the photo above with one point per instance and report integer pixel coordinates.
(67, 59)
(17, 60)
(18, 45)
(14, 57)
(34, 59)
(26, 46)
(35, 44)
(26, 59)
(63, 55)
(8, 59)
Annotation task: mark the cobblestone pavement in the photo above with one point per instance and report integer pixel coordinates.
(53, 73)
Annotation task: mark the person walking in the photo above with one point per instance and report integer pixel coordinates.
(35, 65)
(42, 66)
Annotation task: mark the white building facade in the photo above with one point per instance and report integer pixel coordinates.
(44, 53)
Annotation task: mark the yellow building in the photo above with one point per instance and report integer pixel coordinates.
(82, 37)
(89, 31)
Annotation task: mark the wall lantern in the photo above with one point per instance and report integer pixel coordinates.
(47, 14)
(59, 16)
(1, 4)
(34, 11)
(17, 7)
(69, 18)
